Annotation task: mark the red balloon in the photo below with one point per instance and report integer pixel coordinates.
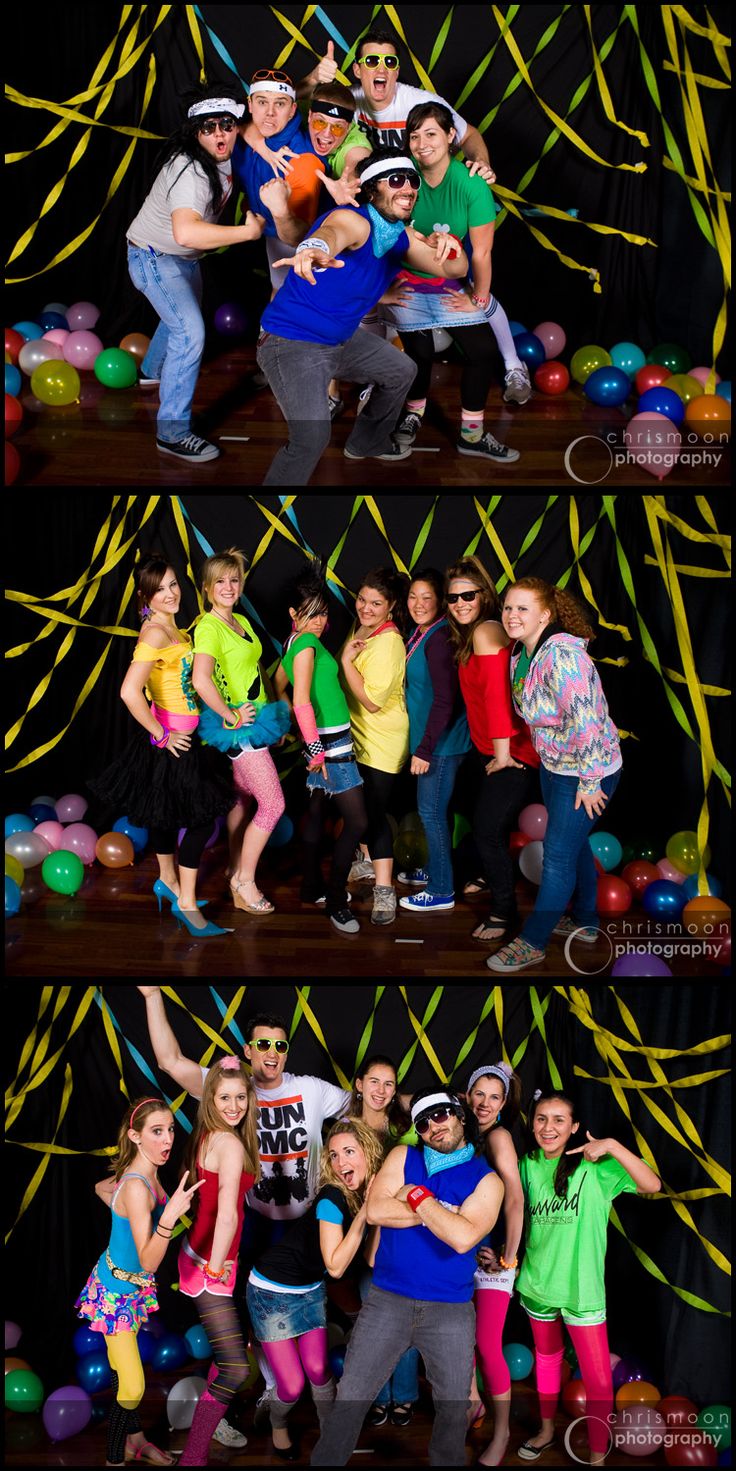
(13, 342)
(652, 375)
(517, 841)
(678, 1411)
(614, 895)
(573, 1398)
(638, 874)
(552, 378)
(13, 415)
(12, 463)
(682, 1453)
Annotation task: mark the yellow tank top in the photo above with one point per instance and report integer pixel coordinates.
(170, 681)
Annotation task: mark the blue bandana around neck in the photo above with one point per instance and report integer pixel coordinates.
(384, 233)
(434, 1161)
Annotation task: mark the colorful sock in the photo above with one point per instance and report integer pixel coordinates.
(471, 428)
(416, 406)
(499, 323)
(207, 1417)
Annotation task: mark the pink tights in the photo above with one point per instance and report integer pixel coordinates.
(256, 776)
(294, 1358)
(491, 1308)
(591, 1347)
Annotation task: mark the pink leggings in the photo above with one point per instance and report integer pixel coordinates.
(491, 1308)
(256, 776)
(591, 1347)
(294, 1358)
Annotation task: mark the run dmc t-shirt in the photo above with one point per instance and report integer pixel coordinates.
(386, 128)
(290, 1120)
(563, 1266)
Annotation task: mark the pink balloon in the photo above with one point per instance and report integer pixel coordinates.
(71, 807)
(53, 832)
(703, 375)
(81, 839)
(81, 348)
(653, 442)
(82, 316)
(57, 335)
(639, 1430)
(668, 871)
(533, 820)
(552, 336)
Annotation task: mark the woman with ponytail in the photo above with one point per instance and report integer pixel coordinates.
(558, 693)
(568, 1195)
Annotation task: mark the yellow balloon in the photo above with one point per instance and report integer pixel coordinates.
(684, 386)
(587, 359)
(14, 869)
(55, 383)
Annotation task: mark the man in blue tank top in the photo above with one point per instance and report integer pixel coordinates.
(434, 1205)
(311, 330)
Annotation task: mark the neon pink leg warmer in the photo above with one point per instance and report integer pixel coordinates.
(256, 776)
(591, 1347)
(491, 1308)
(549, 1349)
(207, 1417)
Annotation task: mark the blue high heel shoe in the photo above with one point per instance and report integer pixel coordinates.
(162, 891)
(206, 933)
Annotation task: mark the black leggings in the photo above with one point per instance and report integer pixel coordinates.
(163, 840)
(377, 787)
(351, 807)
(478, 347)
(500, 799)
(220, 1321)
(121, 1424)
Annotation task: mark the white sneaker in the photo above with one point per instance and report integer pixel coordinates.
(228, 1435)
(518, 386)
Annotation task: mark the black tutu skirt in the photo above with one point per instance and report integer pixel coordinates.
(152, 788)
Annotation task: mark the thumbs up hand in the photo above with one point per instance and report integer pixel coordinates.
(327, 68)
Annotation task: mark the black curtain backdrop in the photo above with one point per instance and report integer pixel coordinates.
(669, 293)
(54, 1243)
(661, 791)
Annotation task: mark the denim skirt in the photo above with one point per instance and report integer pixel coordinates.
(341, 775)
(279, 1315)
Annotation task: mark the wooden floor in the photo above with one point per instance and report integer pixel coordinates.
(108, 438)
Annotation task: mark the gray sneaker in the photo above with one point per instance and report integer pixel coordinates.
(192, 448)
(518, 386)
(384, 904)
(343, 921)
(362, 871)
(488, 448)
(228, 1435)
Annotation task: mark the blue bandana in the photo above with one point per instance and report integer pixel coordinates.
(434, 1161)
(384, 233)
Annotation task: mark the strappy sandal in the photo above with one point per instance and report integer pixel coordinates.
(147, 1460)
(261, 906)
(476, 886)
(491, 929)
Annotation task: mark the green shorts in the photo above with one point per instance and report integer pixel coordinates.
(545, 1314)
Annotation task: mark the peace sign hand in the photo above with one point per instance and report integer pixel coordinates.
(594, 1150)
(178, 1203)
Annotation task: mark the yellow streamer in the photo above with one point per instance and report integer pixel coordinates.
(604, 93)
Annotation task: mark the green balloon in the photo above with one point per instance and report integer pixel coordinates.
(460, 829)
(671, 356)
(116, 368)
(23, 1391)
(684, 854)
(716, 1421)
(63, 871)
(586, 360)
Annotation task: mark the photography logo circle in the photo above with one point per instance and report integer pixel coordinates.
(584, 1420)
(581, 946)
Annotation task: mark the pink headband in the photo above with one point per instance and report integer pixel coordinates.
(143, 1104)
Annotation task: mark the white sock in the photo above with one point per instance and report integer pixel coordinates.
(499, 324)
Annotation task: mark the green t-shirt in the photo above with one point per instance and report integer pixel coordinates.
(454, 205)
(236, 673)
(328, 701)
(354, 138)
(563, 1265)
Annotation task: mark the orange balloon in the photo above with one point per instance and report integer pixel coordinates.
(137, 344)
(638, 1392)
(706, 916)
(709, 414)
(398, 343)
(11, 1364)
(115, 850)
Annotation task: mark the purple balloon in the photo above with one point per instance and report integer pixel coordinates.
(71, 807)
(230, 319)
(12, 1335)
(640, 965)
(82, 316)
(81, 839)
(211, 840)
(67, 1411)
(629, 1369)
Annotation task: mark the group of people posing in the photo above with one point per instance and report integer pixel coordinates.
(434, 672)
(420, 1202)
(371, 223)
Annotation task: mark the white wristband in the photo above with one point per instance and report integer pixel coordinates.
(314, 244)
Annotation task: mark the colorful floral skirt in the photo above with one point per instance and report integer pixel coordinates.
(115, 1312)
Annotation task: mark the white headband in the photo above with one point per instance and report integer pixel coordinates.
(388, 166)
(434, 1100)
(216, 104)
(492, 1071)
(282, 87)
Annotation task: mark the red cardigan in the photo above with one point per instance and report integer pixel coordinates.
(486, 689)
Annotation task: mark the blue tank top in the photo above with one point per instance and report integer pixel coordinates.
(455, 739)
(332, 310)
(122, 1247)
(413, 1262)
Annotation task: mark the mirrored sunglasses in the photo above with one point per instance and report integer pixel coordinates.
(226, 123)
(264, 1044)
(465, 597)
(437, 1116)
(372, 61)
(405, 176)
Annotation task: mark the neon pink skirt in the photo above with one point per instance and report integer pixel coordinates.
(171, 721)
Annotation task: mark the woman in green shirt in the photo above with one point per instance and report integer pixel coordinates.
(568, 1194)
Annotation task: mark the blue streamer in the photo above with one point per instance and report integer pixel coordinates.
(329, 27)
(232, 1025)
(141, 1063)
(221, 50)
(209, 551)
(290, 513)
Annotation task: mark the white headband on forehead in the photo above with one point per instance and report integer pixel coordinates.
(388, 166)
(216, 104)
(493, 1071)
(433, 1100)
(271, 86)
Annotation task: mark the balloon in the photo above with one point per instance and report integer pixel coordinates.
(85, 1341)
(335, 1335)
(678, 1411)
(136, 344)
(94, 1372)
(63, 872)
(552, 378)
(411, 823)
(12, 464)
(56, 306)
(573, 1398)
(606, 849)
(630, 1368)
(253, 1370)
(283, 831)
(640, 965)
(182, 1400)
(138, 835)
(211, 841)
(690, 888)
(170, 1352)
(81, 839)
(13, 1334)
(519, 1358)
(336, 1359)
(662, 401)
(607, 387)
(638, 1430)
(552, 337)
(614, 895)
(27, 330)
(442, 340)
(12, 897)
(197, 1342)
(586, 360)
(23, 1391)
(33, 354)
(709, 414)
(724, 391)
(533, 820)
(516, 329)
(530, 349)
(81, 348)
(716, 1421)
(53, 321)
(663, 900)
(14, 870)
(82, 316)
(628, 357)
(653, 441)
(460, 830)
(682, 851)
(682, 1451)
(115, 850)
(637, 1392)
(652, 375)
(42, 812)
(115, 368)
(17, 822)
(28, 848)
(13, 343)
(638, 874)
(66, 1412)
(230, 319)
(146, 1346)
(706, 916)
(531, 860)
(667, 870)
(55, 383)
(57, 335)
(708, 378)
(517, 841)
(12, 1363)
(685, 386)
(71, 807)
(13, 415)
(13, 380)
(677, 359)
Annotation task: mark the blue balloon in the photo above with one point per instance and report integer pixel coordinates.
(336, 1359)
(519, 1358)
(609, 387)
(146, 1346)
(662, 400)
(50, 320)
(530, 349)
(663, 899)
(170, 1352)
(94, 1372)
(138, 835)
(516, 329)
(724, 390)
(197, 1342)
(18, 822)
(607, 849)
(282, 832)
(12, 896)
(41, 813)
(13, 380)
(86, 1342)
(29, 330)
(690, 888)
(628, 357)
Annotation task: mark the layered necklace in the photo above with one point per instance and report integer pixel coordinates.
(419, 635)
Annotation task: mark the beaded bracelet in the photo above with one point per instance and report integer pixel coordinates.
(216, 1276)
(509, 1265)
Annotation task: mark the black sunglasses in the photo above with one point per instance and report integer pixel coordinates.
(210, 124)
(467, 597)
(437, 1116)
(264, 1044)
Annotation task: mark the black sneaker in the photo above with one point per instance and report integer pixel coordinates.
(191, 448)
(396, 452)
(488, 448)
(407, 431)
(343, 921)
(336, 405)
(377, 1415)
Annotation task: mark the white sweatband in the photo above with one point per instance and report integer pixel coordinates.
(216, 104)
(490, 1071)
(273, 86)
(387, 166)
(433, 1100)
(314, 244)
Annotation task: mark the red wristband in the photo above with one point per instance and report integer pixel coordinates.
(453, 254)
(416, 1195)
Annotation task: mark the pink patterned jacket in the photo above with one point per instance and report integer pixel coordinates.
(563, 704)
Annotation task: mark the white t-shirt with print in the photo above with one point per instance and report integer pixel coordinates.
(180, 184)
(386, 128)
(290, 1120)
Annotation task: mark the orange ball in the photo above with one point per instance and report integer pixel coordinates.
(705, 915)
(137, 344)
(709, 414)
(11, 1364)
(638, 1392)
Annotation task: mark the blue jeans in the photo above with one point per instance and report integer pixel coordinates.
(434, 791)
(402, 1387)
(569, 867)
(173, 286)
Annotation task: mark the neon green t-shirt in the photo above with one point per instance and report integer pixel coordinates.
(328, 701)
(354, 138)
(236, 673)
(454, 205)
(563, 1265)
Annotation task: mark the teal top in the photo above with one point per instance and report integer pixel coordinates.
(122, 1248)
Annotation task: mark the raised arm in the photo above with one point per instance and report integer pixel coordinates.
(166, 1049)
(383, 1208)
(341, 230)
(463, 1229)
(645, 1179)
(138, 1202)
(432, 255)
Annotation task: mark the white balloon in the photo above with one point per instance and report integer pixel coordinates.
(182, 1401)
(442, 339)
(531, 859)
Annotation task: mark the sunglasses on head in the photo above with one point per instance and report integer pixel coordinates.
(372, 61)
(210, 124)
(466, 597)
(437, 1116)
(267, 75)
(264, 1044)
(321, 124)
(401, 177)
